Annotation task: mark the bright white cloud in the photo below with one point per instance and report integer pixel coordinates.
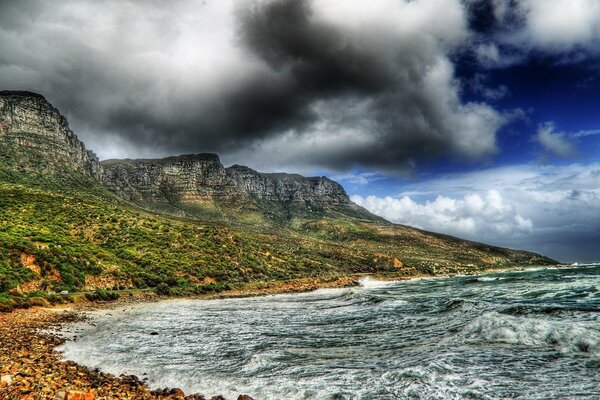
(549, 209)
(562, 24)
(556, 26)
(554, 142)
(473, 215)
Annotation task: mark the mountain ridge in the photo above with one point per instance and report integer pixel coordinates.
(192, 185)
(187, 223)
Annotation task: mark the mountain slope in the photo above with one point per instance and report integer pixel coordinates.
(69, 222)
(198, 185)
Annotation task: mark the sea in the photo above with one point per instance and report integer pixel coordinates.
(532, 334)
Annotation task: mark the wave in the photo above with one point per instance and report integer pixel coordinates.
(490, 278)
(493, 327)
(370, 283)
(437, 381)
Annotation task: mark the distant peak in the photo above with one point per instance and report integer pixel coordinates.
(21, 93)
(200, 156)
(191, 157)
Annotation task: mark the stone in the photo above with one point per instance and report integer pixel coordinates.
(177, 392)
(77, 395)
(244, 397)
(5, 380)
(38, 137)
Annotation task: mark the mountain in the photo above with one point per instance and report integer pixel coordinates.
(187, 222)
(198, 185)
(35, 138)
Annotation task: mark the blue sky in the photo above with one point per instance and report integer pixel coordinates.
(477, 118)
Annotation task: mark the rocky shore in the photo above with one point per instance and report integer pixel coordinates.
(31, 368)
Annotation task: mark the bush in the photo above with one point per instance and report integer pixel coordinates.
(102, 295)
(162, 289)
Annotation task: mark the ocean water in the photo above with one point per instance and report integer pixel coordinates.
(516, 335)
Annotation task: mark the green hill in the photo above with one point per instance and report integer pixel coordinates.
(68, 222)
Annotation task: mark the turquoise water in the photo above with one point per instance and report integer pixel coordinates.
(517, 335)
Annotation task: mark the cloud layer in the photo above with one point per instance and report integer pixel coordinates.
(548, 209)
(514, 29)
(334, 84)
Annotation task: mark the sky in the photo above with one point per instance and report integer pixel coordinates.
(476, 118)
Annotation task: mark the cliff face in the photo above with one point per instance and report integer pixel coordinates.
(35, 137)
(202, 181)
(296, 191)
(188, 178)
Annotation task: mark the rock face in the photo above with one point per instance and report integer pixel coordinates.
(34, 136)
(36, 139)
(295, 191)
(201, 180)
(188, 178)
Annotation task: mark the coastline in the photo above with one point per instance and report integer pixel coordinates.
(32, 368)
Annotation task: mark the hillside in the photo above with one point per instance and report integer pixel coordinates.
(187, 223)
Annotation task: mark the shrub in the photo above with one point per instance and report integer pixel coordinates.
(102, 295)
(162, 289)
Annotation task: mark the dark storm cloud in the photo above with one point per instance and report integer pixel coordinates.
(284, 78)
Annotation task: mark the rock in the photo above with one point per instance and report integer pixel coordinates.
(202, 179)
(244, 397)
(76, 395)
(195, 396)
(153, 333)
(35, 136)
(5, 380)
(177, 392)
(38, 136)
(218, 398)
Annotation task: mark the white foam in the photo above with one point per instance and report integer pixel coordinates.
(489, 279)
(370, 283)
(566, 337)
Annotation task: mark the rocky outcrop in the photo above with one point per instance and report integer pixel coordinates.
(201, 180)
(187, 179)
(292, 190)
(34, 136)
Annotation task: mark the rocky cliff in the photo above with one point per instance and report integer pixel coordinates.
(200, 182)
(35, 137)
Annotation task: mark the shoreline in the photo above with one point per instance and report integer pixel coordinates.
(32, 368)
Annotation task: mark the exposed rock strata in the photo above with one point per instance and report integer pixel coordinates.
(35, 136)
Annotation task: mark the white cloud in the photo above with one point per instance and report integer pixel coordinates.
(473, 215)
(562, 24)
(552, 26)
(549, 209)
(587, 132)
(554, 142)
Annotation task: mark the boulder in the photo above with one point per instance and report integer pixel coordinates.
(77, 395)
(5, 380)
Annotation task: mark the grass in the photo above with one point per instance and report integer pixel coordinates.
(63, 233)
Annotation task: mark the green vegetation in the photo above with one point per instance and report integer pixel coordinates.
(72, 235)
